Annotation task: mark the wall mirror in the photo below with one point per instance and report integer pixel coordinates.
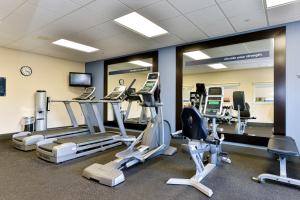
(248, 69)
(131, 70)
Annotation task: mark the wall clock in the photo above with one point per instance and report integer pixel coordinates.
(26, 70)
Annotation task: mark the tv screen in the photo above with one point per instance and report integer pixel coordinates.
(80, 79)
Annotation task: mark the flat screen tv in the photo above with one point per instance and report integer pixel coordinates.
(77, 79)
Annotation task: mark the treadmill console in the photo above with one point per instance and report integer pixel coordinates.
(88, 94)
(214, 101)
(151, 84)
(116, 94)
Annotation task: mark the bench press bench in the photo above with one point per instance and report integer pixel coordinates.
(283, 147)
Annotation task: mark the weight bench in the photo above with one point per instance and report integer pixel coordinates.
(282, 146)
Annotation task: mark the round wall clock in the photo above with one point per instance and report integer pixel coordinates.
(121, 81)
(26, 70)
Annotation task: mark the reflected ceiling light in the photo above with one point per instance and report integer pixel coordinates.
(140, 24)
(75, 45)
(217, 66)
(140, 63)
(276, 3)
(196, 55)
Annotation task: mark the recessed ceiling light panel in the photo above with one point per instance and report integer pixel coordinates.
(140, 63)
(276, 3)
(140, 24)
(75, 45)
(217, 66)
(196, 55)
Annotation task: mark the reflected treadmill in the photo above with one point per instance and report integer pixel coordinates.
(60, 150)
(26, 141)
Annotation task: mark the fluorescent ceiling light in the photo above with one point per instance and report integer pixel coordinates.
(217, 66)
(196, 55)
(199, 55)
(140, 24)
(275, 3)
(75, 45)
(140, 63)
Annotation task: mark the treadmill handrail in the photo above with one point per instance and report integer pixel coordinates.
(89, 101)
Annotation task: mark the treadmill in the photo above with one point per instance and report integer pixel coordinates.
(60, 150)
(26, 141)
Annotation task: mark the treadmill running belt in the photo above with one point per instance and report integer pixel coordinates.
(85, 138)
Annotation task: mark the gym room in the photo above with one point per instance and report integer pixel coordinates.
(149, 99)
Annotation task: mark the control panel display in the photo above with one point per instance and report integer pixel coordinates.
(215, 91)
(148, 86)
(116, 93)
(87, 94)
(213, 106)
(152, 76)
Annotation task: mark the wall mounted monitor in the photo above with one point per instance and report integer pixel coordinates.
(77, 79)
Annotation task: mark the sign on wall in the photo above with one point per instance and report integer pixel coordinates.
(2, 86)
(232, 58)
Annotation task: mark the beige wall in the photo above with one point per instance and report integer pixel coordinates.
(49, 74)
(246, 79)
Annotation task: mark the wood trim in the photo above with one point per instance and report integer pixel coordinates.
(152, 54)
(179, 76)
(279, 78)
(280, 83)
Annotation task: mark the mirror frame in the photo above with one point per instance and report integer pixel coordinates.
(153, 55)
(279, 35)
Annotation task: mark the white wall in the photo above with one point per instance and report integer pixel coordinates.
(264, 113)
(49, 74)
(292, 82)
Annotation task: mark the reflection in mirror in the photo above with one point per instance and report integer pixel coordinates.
(246, 72)
(132, 74)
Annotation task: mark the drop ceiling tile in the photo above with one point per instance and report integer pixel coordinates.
(101, 31)
(60, 52)
(82, 2)
(244, 15)
(238, 8)
(159, 11)
(7, 38)
(62, 6)
(187, 31)
(284, 14)
(168, 40)
(8, 6)
(109, 8)
(212, 21)
(245, 23)
(187, 6)
(29, 42)
(137, 4)
(27, 18)
(75, 22)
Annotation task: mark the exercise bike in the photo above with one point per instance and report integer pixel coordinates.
(201, 141)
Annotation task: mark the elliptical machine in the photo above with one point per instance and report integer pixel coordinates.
(131, 96)
(200, 141)
(154, 140)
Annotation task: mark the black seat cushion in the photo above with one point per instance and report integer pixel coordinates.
(283, 146)
(192, 124)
